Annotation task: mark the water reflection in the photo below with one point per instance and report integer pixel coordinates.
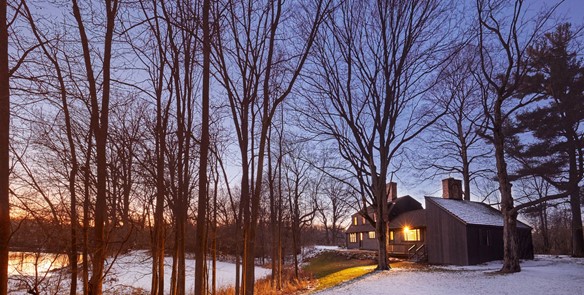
(35, 264)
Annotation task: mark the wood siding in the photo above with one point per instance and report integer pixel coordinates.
(451, 241)
(485, 243)
(445, 237)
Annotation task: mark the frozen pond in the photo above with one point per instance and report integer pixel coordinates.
(35, 264)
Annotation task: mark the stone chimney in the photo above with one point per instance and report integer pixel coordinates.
(452, 188)
(391, 191)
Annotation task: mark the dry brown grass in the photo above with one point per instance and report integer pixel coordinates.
(290, 285)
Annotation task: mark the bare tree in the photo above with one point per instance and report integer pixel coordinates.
(52, 56)
(254, 40)
(302, 188)
(99, 123)
(502, 50)
(373, 65)
(334, 208)
(455, 141)
(201, 241)
(4, 149)
(6, 72)
(153, 53)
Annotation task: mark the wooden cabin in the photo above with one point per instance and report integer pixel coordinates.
(361, 234)
(466, 233)
(449, 231)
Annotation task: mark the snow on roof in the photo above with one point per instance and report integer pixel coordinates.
(472, 212)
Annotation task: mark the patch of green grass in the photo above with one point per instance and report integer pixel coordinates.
(343, 276)
(330, 269)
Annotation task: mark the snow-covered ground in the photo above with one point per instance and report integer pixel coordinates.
(544, 275)
(133, 271)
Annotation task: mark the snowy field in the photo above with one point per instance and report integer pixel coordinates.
(544, 275)
(129, 272)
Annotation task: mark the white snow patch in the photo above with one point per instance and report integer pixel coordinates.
(312, 251)
(544, 275)
(321, 247)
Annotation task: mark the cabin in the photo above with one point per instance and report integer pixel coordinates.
(449, 230)
(361, 234)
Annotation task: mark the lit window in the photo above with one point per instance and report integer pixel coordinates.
(375, 217)
(391, 235)
(355, 220)
(411, 235)
(363, 219)
(353, 238)
(360, 236)
(372, 235)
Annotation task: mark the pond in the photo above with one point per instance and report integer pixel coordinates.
(33, 264)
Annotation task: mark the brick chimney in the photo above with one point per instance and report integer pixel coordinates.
(391, 190)
(452, 188)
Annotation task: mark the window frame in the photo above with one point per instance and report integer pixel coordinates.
(417, 235)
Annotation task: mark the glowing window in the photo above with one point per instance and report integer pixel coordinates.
(372, 235)
(361, 236)
(411, 235)
(353, 238)
(355, 220)
(391, 235)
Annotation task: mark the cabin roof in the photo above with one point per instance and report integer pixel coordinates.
(413, 219)
(360, 228)
(469, 212)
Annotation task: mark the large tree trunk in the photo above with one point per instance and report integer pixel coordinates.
(575, 205)
(544, 228)
(381, 226)
(4, 147)
(201, 241)
(159, 234)
(510, 246)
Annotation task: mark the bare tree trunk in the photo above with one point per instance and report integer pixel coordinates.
(575, 203)
(4, 148)
(465, 161)
(201, 241)
(273, 213)
(280, 201)
(382, 225)
(86, 204)
(214, 231)
(544, 227)
(510, 243)
(159, 233)
(99, 123)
